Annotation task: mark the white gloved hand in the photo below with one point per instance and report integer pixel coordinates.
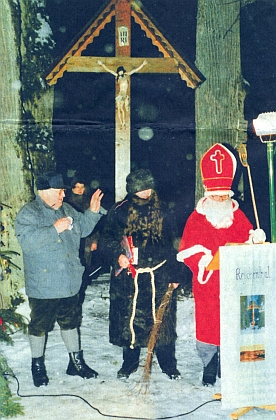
(256, 236)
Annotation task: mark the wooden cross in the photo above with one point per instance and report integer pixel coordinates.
(122, 64)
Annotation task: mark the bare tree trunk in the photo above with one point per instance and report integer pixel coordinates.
(26, 141)
(220, 99)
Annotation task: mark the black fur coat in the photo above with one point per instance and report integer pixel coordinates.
(152, 228)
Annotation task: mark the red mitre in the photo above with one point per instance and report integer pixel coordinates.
(218, 167)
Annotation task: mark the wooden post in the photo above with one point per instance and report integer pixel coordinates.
(122, 133)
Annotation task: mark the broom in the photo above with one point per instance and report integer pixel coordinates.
(154, 333)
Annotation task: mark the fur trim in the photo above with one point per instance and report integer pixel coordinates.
(203, 262)
(202, 265)
(189, 252)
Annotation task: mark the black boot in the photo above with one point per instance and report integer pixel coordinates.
(210, 371)
(77, 366)
(219, 366)
(39, 373)
(131, 362)
(167, 361)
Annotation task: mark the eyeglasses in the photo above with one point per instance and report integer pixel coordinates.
(219, 197)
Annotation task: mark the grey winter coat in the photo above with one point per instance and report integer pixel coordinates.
(52, 267)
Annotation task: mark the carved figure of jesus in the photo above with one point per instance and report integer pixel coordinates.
(122, 99)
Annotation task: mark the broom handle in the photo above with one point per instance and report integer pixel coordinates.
(159, 316)
(154, 332)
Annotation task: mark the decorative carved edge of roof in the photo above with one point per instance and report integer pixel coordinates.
(187, 71)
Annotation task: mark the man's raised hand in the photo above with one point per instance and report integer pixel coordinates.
(95, 202)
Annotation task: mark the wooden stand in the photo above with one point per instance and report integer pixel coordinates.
(241, 411)
(214, 265)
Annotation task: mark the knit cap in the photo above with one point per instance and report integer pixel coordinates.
(139, 180)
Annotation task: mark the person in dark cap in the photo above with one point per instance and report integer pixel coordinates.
(138, 241)
(49, 232)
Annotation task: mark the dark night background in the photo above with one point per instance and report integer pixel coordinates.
(84, 102)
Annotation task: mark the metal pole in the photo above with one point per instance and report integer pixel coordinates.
(270, 162)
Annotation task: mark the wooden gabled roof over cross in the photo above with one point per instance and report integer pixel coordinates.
(171, 62)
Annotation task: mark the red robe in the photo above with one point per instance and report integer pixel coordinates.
(199, 238)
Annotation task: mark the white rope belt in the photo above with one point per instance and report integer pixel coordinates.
(140, 271)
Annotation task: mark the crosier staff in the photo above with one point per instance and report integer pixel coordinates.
(243, 158)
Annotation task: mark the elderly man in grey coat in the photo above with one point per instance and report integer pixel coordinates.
(49, 232)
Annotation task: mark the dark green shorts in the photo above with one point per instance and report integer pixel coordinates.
(46, 312)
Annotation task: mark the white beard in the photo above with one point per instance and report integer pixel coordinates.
(219, 213)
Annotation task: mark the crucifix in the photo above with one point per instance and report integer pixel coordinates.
(122, 66)
(122, 122)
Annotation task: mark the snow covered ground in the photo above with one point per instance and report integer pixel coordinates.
(69, 397)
